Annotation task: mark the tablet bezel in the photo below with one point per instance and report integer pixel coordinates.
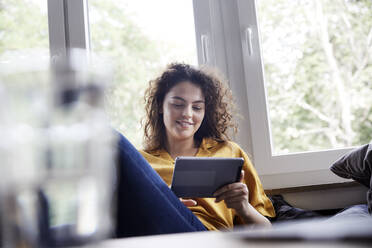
(200, 177)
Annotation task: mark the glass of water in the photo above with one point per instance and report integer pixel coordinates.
(58, 153)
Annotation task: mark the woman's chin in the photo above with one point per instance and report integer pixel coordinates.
(184, 136)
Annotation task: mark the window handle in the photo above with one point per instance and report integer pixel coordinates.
(248, 40)
(204, 46)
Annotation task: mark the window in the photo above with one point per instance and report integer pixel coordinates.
(141, 38)
(18, 33)
(317, 67)
(290, 147)
(293, 126)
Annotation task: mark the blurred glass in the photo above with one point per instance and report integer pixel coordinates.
(141, 37)
(317, 61)
(24, 88)
(57, 151)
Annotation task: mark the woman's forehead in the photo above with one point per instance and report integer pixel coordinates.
(186, 91)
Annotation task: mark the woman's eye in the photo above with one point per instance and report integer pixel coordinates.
(178, 105)
(197, 108)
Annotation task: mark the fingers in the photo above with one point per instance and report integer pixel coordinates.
(239, 196)
(232, 191)
(241, 176)
(237, 199)
(235, 195)
(229, 187)
(188, 202)
(238, 202)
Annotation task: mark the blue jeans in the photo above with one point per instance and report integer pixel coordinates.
(145, 204)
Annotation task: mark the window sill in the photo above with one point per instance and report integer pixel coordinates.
(311, 188)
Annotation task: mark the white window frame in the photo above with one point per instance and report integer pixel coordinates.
(224, 42)
(68, 26)
(232, 30)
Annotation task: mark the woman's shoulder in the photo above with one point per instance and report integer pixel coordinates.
(145, 154)
(144, 151)
(233, 144)
(150, 154)
(222, 148)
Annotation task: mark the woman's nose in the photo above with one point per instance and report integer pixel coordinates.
(187, 111)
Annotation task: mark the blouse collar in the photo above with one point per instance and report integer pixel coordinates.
(203, 151)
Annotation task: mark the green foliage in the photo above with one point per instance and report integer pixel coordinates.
(22, 28)
(134, 56)
(313, 103)
(318, 80)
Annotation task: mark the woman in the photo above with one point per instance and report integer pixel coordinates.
(188, 114)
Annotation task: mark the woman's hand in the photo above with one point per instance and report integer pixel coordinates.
(236, 196)
(188, 202)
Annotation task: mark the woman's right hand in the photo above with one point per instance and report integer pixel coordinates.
(188, 202)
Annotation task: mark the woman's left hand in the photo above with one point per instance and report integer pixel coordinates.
(235, 195)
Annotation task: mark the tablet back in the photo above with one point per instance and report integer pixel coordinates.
(202, 176)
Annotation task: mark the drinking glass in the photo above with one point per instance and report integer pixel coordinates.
(57, 152)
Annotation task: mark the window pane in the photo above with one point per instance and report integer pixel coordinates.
(140, 37)
(318, 67)
(23, 25)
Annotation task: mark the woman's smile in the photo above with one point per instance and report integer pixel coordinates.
(185, 124)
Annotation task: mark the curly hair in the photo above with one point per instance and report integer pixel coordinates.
(219, 105)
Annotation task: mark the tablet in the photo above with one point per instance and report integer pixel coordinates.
(202, 176)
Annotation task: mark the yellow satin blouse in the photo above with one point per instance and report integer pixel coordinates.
(213, 215)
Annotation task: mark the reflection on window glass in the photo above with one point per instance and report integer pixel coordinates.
(140, 37)
(23, 26)
(318, 67)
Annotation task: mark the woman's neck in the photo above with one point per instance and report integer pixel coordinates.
(177, 148)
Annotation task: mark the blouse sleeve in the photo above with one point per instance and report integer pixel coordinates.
(257, 196)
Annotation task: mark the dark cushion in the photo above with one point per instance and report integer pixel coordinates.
(284, 211)
(357, 165)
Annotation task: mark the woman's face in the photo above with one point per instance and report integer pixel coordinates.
(183, 111)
